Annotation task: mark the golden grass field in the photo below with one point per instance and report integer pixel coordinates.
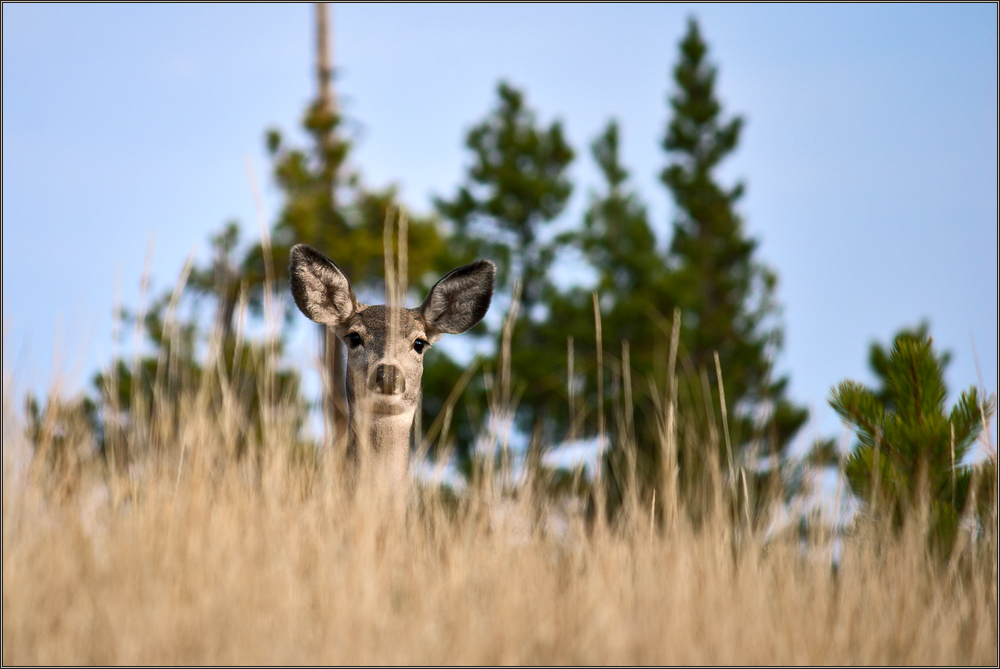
(185, 554)
(190, 557)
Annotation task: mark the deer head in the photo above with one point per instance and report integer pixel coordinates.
(386, 344)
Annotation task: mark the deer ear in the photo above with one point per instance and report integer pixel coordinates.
(320, 289)
(460, 299)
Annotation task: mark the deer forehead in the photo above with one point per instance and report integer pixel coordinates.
(374, 322)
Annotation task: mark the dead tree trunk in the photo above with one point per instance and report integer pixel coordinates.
(331, 349)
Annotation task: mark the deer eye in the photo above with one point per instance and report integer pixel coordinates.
(353, 339)
(420, 345)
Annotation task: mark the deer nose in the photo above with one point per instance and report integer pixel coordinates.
(389, 380)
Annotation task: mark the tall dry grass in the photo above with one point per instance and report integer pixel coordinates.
(187, 555)
(191, 557)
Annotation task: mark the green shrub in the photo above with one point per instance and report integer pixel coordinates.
(910, 452)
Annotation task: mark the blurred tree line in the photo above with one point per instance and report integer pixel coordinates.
(683, 385)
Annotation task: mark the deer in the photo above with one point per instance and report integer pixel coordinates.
(385, 346)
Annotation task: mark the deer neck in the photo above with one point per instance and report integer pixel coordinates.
(386, 440)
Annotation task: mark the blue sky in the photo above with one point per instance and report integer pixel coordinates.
(870, 150)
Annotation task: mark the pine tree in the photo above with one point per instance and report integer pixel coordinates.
(618, 241)
(725, 295)
(311, 181)
(516, 185)
(327, 206)
(222, 280)
(910, 451)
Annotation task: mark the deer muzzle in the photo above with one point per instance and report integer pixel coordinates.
(388, 380)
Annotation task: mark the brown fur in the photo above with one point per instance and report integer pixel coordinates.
(382, 407)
